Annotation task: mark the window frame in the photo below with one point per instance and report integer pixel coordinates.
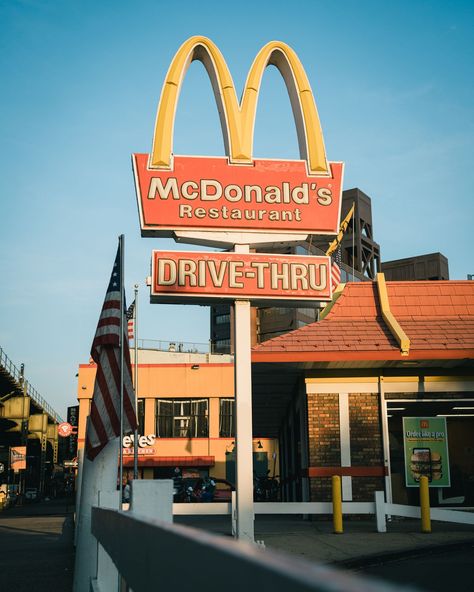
(189, 422)
(227, 431)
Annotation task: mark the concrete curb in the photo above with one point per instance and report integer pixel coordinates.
(386, 557)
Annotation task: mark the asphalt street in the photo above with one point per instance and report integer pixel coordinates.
(436, 571)
(37, 548)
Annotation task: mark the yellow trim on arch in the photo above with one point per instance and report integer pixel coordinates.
(335, 297)
(391, 322)
(237, 120)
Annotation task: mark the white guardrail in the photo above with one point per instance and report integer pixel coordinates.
(378, 508)
(147, 552)
(142, 549)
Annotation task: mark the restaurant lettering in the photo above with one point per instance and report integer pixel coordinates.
(252, 275)
(143, 441)
(212, 190)
(232, 274)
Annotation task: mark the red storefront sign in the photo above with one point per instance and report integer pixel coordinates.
(18, 458)
(184, 275)
(65, 429)
(141, 451)
(206, 193)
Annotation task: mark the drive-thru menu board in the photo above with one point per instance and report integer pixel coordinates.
(425, 442)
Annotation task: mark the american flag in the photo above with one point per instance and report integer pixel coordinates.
(335, 269)
(335, 275)
(131, 320)
(104, 421)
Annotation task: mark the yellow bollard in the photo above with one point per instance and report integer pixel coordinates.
(425, 504)
(337, 505)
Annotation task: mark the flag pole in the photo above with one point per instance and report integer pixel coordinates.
(135, 436)
(121, 341)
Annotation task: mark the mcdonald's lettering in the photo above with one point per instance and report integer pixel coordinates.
(237, 192)
(211, 190)
(256, 276)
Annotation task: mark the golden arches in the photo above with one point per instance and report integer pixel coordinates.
(237, 120)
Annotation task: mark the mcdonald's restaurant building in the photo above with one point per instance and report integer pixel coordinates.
(335, 397)
(362, 390)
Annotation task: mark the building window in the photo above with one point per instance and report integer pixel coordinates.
(226, 418)
(182, 418)
(222, 319)
(222, 342)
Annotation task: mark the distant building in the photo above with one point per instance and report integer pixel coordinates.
(423, 267)
(186, 416)
(359, 251)
(360, 261)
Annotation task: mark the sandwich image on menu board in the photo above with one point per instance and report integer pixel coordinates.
(425, 462)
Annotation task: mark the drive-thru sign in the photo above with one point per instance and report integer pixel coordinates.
(264, 278)
(238, 201)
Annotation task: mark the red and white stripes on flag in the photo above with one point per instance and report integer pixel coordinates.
(335, 275)
(104, 420)
(131, 320)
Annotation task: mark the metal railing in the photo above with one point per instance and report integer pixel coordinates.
(30, 391)
(189, 347)
(175, 346)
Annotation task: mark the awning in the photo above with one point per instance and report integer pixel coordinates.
(170, 461)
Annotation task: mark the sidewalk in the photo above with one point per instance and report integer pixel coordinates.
(37, 550)
(360, 543)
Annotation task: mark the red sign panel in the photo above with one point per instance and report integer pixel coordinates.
(64, 429)
(204, 276)
(206, 193)
(18, 458)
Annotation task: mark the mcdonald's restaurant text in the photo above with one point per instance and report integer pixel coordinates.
(208, 193)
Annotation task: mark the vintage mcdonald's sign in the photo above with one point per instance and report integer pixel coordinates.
(202, 276)
(237, 192)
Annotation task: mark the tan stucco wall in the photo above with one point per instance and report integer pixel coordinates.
(179, 380)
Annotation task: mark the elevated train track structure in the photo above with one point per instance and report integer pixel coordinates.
(26, 419)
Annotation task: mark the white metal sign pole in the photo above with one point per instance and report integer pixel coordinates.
(243, 407)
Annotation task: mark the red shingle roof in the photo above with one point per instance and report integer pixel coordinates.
(437, 316)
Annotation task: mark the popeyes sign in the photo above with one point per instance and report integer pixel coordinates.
(238, 193)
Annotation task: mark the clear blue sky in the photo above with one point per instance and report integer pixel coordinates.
(80, 83)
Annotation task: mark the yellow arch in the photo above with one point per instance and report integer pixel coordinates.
(237, 120)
